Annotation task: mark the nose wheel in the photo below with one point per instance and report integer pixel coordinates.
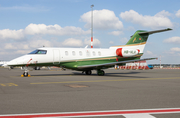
(25, 74)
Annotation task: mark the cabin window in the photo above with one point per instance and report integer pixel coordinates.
(73, 53)
(94, 54)
(66, 53)
(99, 53)
(80, 53)
(38, 52)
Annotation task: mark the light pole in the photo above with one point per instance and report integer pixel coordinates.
(92, 26)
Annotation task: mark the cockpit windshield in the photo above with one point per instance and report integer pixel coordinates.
(38, 52)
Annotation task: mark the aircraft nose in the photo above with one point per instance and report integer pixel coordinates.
(15, 61)
(11, 63)
(20, 61)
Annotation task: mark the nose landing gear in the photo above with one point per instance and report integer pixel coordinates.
(25, 74)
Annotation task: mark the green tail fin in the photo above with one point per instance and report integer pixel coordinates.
(141, 36)
(137, 38)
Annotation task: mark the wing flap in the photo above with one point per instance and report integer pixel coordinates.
(96, 66)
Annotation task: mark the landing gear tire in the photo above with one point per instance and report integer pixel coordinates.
(100, 72)
(37, 68)
(25, 74)
(88, 72)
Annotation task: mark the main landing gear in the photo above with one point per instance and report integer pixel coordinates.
(88, 72)
(99, 72)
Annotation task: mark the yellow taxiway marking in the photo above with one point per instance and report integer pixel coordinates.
(8, 84)
(106, 80)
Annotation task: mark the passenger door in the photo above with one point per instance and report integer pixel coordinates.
(56, 57)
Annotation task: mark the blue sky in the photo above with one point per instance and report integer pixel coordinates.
(29, 24)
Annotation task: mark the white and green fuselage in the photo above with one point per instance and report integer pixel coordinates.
(85, 59)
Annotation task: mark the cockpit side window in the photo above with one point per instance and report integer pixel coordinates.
(39, 52)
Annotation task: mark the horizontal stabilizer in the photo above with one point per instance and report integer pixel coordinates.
(156, 31)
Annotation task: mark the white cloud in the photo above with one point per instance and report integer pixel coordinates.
(11, 34)
(175, 39)
(163, 13)
(39, 43)
(22, 51)
(175, 49)
(9, 46)
(71, 42)
(178, 13)
(102, 19)
(25, 47)
(33, 29)
(36, 29)
(160, 20)
(116, 33)
(96, 42)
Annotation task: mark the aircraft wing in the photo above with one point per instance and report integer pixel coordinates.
(105, 65)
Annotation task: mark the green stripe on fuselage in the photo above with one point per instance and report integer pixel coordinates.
(74, 64)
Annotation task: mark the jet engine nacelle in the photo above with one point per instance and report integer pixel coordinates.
(125, 52)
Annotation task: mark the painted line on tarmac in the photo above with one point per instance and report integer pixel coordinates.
(126, 113)
(8, 84)
(138, 116)
(42, 76)
(139, 79)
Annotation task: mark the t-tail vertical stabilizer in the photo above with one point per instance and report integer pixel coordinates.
(138, 40)
(141, 36)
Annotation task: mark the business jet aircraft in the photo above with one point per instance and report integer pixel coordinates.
(87, 59)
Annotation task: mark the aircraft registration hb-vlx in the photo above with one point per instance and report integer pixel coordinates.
(87, 59)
